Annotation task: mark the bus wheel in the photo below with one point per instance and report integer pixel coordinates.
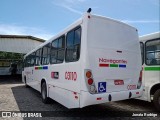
(45, 99)
(156, 99)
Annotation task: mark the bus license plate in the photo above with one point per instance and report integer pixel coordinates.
(118, 82)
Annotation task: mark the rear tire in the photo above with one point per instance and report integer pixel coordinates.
(156, 99)
(45, 99)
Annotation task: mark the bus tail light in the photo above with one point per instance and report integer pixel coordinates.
(90, 82)
(88, 74)
(140, 80)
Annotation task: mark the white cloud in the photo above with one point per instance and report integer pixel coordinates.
(10, 29)
(74, 1)
(70, 5)
(70, 9)
(141, 21)
(74, 6)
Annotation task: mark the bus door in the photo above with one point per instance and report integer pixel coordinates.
(143, 65)
(29, 70)
(145, 94)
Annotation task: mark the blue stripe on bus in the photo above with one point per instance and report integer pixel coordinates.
(122, 66)
(45, 67)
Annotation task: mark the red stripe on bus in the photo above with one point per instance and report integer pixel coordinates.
(75, 93)
(103, 65)
(99, 98)
(36, 68)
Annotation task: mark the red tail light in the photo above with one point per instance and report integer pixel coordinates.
(140, 76)
(90, 82)
(140, 80)
(88, 74)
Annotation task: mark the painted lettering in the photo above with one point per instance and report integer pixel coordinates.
(71, 76)
(102, 60)
(132, 87)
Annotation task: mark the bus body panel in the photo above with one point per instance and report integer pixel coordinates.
(66, 97)
(31, 78)
(150, 79)
(113, 50)
(66, 82)
(89, 99)
(109, 74)
(65, 76)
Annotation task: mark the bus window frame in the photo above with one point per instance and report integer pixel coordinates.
(146, 52)
(32, 58)
(39, 56)
(74, 29)
(48, 54)
(63, 37)
(142, 50)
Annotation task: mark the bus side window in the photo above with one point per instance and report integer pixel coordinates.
(24, 62)
(32, 59)
(73, 45)
(28, 61)
(45, 54)
(54, 52)
(38, 57)
(153, 52)
(57, 50)
(60, 52)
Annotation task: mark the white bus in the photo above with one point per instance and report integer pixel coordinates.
(150, 47)
(95, 60)
(4, 67)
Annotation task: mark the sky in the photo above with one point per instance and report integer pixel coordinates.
(46, 18)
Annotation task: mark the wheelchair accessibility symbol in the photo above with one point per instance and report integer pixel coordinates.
(102, 87)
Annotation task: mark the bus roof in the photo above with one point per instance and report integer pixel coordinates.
(150, 36)
(78, 22)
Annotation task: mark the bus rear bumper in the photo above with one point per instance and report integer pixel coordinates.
(87, 99)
